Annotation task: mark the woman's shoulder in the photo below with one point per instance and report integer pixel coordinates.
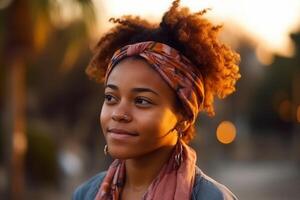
(204, 188)
(207, 188)
(89, 189)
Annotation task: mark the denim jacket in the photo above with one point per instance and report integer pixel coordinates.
(205, 188)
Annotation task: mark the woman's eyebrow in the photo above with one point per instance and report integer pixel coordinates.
(111, 86)
(136, 90)
(144, 90)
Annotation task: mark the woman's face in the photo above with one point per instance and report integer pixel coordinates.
(138, 115)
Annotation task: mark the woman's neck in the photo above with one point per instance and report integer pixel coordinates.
(141, 171)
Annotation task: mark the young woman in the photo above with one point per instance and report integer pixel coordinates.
(157, 79)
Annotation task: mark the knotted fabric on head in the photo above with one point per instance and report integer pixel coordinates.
(179, 73)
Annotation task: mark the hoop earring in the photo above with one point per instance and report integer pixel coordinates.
(178, 151)
(105, 150)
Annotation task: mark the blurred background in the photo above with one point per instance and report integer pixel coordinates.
(50, 138)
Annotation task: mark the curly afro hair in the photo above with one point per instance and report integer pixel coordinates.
(190, 33)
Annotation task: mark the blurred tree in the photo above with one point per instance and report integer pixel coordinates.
(18, 43)
(274, 107)
(28, 28)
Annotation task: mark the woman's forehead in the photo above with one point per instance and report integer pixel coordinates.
(136, 73)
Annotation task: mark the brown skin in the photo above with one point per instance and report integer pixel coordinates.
(146, 137)
(192, 35)
(149, 145)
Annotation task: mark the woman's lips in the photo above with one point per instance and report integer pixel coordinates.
(120, 134)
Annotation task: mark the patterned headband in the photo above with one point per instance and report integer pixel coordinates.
(179, 73)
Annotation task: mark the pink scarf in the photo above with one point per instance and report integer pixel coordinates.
(172, 183)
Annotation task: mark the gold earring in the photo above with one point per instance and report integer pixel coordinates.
(105, 150)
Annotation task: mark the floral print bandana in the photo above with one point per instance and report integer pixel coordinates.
(179, 73)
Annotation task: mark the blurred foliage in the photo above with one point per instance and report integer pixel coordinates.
(54, 54)
(266, 111)
(41, 158)
(1, 144)
(62, 99)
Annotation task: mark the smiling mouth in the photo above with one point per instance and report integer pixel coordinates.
(121, 132)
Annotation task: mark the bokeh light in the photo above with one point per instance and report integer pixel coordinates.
(53, 141)
(20, 143)
(298, 114)
(284, 110)
(4, 4)
(226, 132)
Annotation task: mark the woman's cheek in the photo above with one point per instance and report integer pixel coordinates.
(149, 121)
(104, 117)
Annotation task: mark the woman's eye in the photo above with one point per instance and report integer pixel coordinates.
(142, 101)
(109, 99)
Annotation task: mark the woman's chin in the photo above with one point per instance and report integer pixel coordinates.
(120, 154)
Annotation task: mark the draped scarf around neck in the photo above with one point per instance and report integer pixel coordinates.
(172, 183)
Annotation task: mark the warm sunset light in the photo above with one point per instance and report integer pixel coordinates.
(68, 12)
(298, 114)
(20, 143)
(266, 23)
(5, 3)
(226, 132)
(284, 109)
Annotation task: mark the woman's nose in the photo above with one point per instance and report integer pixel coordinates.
(121, 114)
(121, 117)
